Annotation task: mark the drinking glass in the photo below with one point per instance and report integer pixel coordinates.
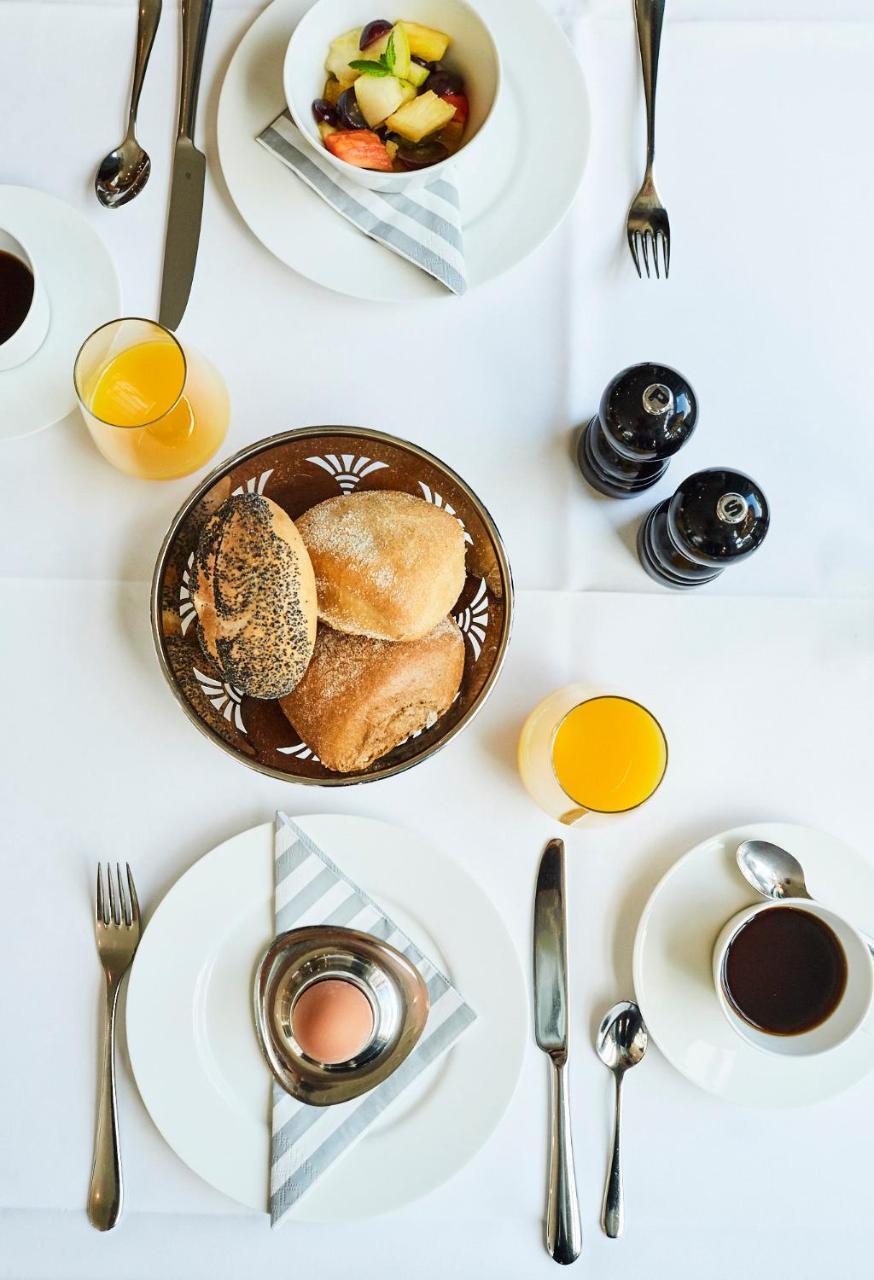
(154, 408)
(581, 754)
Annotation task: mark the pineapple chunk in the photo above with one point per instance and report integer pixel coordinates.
(425, 114)
(374, 51)
(344, 50)
(332, 90)
(425, 42)
(325, 130)
(378, 97)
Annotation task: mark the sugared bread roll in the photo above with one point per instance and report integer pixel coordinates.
(387, 565)
(253, 587)
(361, 697)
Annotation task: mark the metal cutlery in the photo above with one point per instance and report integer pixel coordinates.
(563, 1236)
(125, 171)
(775, 873)
(117, 932)
(647, 225)
(621, 1043)
(189, 173)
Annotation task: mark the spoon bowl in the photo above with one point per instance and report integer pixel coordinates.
(773, 872)
(122, 174)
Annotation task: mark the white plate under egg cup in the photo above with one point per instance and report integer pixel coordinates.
(472, 52)
(513, 196)
(673, 968)
(81, 284)
(191, 1035)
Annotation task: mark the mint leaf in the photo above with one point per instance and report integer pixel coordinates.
(370, 68)
(389, 57)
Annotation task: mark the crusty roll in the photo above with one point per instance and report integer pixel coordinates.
(361, 697)
(387, 565)
(254, 590)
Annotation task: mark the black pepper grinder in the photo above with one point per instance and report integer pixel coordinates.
(647, 413)
(715, 519)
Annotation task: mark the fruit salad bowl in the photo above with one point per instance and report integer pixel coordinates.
(326, 41)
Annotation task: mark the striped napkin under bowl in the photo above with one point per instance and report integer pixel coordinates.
(422, 225)
(306, 1141)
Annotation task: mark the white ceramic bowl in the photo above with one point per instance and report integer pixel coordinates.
(473, 54)
(854, 1004)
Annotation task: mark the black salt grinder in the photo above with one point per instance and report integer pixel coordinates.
(647, 413)
(715, 519)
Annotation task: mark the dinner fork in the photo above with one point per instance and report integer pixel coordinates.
(647, 223)
(117, 930)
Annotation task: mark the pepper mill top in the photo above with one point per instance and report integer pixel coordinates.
(718, 516)
(648, 411)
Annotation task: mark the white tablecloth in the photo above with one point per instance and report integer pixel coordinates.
(764, 162)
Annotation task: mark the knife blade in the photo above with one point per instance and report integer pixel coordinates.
(189, 173)
(563, 1234)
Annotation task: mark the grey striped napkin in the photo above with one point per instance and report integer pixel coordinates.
(309, 889)
(423, 226)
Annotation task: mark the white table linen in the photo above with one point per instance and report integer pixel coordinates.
(773, 328)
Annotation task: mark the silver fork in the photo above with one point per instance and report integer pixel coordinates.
(647, 223)
(117, 930)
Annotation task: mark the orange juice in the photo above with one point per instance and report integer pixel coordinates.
(154, 409)
(609, 754)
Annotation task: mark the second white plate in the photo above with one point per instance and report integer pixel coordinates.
(673, 968)
(192, 1041)
(513, 197)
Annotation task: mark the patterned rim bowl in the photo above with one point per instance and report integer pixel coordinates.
(298, 469)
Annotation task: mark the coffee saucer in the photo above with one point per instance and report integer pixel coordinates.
(83, 292)
(673, 977)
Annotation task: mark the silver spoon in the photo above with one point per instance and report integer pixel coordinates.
(125, 171)
(621, 1043)
(775, 873)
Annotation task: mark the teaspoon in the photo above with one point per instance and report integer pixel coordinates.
(125, 171)
(621, 1043)
(775, 873)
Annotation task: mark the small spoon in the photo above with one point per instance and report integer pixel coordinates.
(621, 1043)
(775, 873)
(125, 171)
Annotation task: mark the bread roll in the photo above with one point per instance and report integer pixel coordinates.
(387, 565)
(360, 697)
(254, 590)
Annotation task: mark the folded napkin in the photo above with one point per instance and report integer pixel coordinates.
(310, 890)
(422, 225)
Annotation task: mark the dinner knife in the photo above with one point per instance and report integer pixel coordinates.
(189, 173)
(563, 1235)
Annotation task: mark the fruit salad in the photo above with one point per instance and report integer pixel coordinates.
(389, 102)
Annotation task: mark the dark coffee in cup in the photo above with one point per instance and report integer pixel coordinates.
(16, 294)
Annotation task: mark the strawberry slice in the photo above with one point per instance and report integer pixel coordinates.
(461, 104)
(359, 147)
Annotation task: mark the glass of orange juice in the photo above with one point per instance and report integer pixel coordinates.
(154, 409)
(580, 755)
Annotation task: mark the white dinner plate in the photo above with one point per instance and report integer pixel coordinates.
(82, 286)
(673, 976)
(191, 1034)
(512, 197)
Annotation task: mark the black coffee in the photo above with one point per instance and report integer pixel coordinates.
(785, 972)
(16, 294)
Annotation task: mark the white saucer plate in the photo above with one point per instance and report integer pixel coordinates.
(673, 968)
(83, 291)
(514, 193)
(191, 1034)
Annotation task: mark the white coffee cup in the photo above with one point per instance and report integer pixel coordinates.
(30, 334)
(851, 1010)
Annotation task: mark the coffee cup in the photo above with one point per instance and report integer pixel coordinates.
(792, 977)
(24, 304)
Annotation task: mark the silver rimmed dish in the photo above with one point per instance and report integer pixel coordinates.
(298, 469)
(398, 997)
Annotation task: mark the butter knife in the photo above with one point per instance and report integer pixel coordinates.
(189, 173)
(563, 1235)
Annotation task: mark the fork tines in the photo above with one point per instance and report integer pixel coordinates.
(638, 240)
(114, 905)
